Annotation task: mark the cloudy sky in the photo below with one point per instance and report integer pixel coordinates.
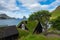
(20, 8)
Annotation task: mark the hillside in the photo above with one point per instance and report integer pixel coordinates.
(4, 16)
(56, 13)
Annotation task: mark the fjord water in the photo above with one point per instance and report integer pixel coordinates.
(9, 22)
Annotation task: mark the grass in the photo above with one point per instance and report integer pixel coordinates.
(38, 37)
(27, 35)
(56, 13)
(34, 37)
(54, 32)
(22, 33)
(31, 25)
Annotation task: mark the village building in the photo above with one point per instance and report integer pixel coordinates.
(22, 25)
(8, 33)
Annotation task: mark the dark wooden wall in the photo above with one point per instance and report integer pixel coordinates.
(38, 28)
(13, 37)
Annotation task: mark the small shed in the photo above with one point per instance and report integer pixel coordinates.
(8, 33)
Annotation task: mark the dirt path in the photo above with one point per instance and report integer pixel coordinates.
(53, 35)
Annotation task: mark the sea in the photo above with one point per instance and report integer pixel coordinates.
(9, 22)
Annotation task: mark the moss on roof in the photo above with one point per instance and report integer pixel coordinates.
(31, 25)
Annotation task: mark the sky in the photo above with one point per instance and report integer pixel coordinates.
(20, 8)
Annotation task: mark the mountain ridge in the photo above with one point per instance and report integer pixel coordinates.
(4, 16)
(56, 13)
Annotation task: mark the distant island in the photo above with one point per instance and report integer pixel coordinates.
(4, 16)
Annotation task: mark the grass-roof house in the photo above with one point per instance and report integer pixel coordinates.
(33, 26)
(20, 25)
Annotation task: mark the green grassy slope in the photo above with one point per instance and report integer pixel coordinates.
(39, 37)
(56, 13)
(31, 25)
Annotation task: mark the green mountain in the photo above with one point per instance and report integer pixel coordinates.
(56, 13)
(4, 16)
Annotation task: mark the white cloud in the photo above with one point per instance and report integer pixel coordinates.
(42, 0)
(9, 5)
(34, 5)
(10, 8)
(56, 3)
